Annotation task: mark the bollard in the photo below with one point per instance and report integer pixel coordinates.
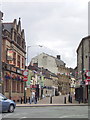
(50, 99)
(21, 100)
(64, 100)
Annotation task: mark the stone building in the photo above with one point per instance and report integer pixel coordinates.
(13, 59)
(42, 80)
(64, 79)
(48, 62)
(83, 64)
(56, 66)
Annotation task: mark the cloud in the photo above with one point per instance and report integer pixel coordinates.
(59, 26)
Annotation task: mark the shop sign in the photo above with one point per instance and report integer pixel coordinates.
(13, 69)
(10, 54)
(33, 86)
(87, 82)
(18, 71)
(8, 67)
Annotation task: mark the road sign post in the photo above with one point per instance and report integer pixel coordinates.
(25, 73)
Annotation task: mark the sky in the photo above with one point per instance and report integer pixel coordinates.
(57, 25)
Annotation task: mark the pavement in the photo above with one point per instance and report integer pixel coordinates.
(56, 101)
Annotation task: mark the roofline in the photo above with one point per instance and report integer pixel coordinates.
(82, 42)
(50, 56)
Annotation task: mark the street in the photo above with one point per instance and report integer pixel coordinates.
(49, 112)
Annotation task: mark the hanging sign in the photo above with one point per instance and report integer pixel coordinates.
(10, 54)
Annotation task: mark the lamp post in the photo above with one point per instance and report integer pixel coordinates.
(28, 50)
(1, 15)
(25, 88)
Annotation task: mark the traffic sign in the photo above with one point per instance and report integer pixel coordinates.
(25, 78)
(25, 72)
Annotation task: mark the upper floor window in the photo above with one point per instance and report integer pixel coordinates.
(14, 58)
(23, 44)
(22, 62)
(18, 40)
(15, 37)
(18, 61)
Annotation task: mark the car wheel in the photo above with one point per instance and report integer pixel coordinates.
(11, 108)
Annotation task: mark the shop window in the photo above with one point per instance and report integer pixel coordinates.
(6, 85)
(18, 86)
(14, 86)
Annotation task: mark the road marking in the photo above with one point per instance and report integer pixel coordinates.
(21, 118)
(70, 116)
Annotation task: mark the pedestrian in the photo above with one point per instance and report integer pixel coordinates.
(69, 97)
(33, 97)
(79, 100)
(36, 96)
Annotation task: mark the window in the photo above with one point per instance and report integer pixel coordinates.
(14, 86)
(18, 86)
(22, 62)
(15, 36)
(23, 44)
(18, 61)
(19, 40)
(14, 58)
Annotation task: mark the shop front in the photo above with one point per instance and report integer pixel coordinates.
(13, 85)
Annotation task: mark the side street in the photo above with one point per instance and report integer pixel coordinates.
(45, 74)
(43, 83)
(45, 60)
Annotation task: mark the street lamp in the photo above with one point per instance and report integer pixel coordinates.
(25, 87)
(28, 50)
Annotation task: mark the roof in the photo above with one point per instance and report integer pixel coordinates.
(45, 72)
(83, 39)
(8, 26)
(58, 61)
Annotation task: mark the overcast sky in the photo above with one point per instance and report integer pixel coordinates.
(57, 26)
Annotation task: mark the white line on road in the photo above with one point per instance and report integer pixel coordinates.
(70, 116)
(21, 118)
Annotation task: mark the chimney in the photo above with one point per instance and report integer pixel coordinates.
(58, 57)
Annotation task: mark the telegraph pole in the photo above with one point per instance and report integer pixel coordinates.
(1, 15)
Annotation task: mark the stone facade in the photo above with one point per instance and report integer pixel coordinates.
(83, 64)
(47, 61)
(56, 66)
(13, 59)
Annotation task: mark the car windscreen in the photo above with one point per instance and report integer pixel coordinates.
(2, 97)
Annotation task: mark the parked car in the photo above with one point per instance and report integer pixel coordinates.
(6, 104)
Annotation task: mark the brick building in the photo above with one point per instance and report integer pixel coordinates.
(13, 59)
